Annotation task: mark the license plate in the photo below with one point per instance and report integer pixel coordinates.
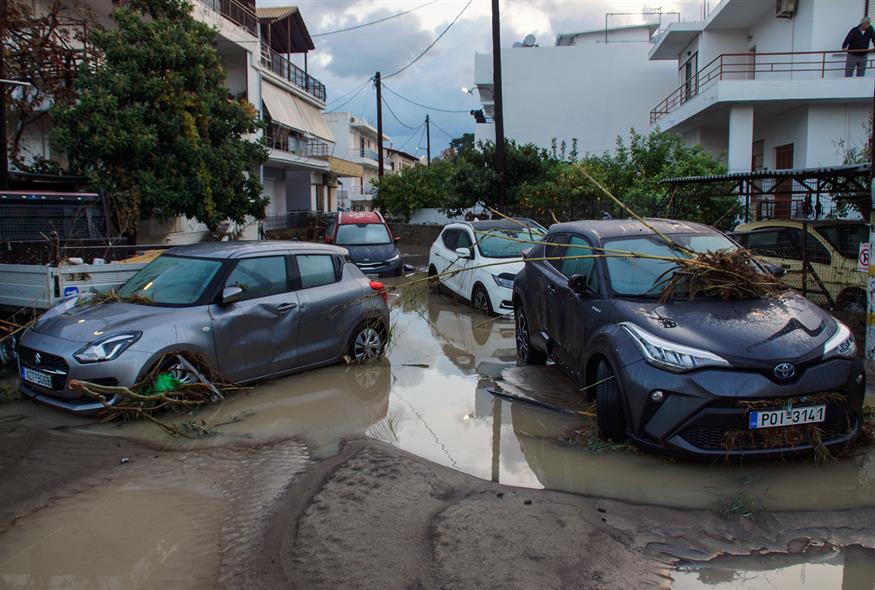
(791, 417)
(36, 377)
(372, 276)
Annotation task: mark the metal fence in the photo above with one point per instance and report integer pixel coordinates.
(284, 68)
(34, 217)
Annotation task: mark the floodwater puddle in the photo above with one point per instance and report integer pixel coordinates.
(816, 568)
(432, 397)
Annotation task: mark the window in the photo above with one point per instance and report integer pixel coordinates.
(756, 158)
(316, 270)
(846, 238)
(172, 280)
(450, 237)
(464, 240)
(555, 249)
(784, 157)
(259, 277)
(362, 234)
(507, 243)
(786, 243)
(580, 266)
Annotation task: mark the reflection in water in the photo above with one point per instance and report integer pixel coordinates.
(819, 568)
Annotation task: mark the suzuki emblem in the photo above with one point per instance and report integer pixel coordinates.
(37, 359)
(784, 371)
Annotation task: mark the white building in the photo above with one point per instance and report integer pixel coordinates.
(356, 141)
(762, 84)
(258, 49)
(592, 86)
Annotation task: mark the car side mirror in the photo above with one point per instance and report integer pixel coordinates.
(776, 270)
(580, 285)
(527, 252)
(328, 239)
(464, 253)
(397, 239)
(231, 295)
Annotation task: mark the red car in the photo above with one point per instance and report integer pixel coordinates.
(369, 241)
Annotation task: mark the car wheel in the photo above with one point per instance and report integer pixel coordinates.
(366, 343)
(525, 351)
(480, 300)
(7, 351)
(852, 300)
(434, 282)
(400, 270)
(177, 370)
(609, 405)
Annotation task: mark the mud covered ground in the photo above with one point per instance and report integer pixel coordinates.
(81, 511)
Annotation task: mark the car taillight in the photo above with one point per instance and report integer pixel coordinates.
(379, 288)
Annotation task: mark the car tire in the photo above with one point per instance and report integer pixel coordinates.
(526, 353)
(480, 300)
(609, 405)
(367, 342)
(400, 270)
(433, 281)
(170, 364)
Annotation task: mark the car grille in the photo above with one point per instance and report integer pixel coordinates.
(48, 363)
(370, 265)
(713, 431)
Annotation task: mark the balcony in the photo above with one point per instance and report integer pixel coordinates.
(768, 67)
(283, 67)
(365, 154)
(283, 138)
(239, 14)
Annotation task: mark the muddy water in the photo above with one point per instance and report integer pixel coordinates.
(850, 568)
(432, 398)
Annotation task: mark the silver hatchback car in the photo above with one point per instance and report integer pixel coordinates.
(248, 310)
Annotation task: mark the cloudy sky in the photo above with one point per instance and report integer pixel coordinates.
(345, 61)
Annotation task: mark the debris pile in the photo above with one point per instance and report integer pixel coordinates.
(727, 274)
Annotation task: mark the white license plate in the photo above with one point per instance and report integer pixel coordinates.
(372, 276)
(36, 377)
(791, 417)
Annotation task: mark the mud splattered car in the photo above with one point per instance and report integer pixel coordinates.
(250, 310)
(695, 376)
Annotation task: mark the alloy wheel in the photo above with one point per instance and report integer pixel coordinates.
(368, 345)
(522, 334)
(480, 302)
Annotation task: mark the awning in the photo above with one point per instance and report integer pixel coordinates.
(288, 109)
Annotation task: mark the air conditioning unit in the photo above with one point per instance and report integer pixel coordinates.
(785, 8)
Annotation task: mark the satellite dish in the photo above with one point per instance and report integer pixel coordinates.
(517, 44)
(529, 40)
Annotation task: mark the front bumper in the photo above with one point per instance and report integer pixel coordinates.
(56, 359)
(706, 413)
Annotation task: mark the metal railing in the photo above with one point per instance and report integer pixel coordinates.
(284, 68)
(288, 140)
(365, 154)
(301, 219)
(800, 65)
(237, 13)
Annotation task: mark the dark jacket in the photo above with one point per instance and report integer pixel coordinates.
(857, 41)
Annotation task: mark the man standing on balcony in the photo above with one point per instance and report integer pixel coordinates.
(857, 45)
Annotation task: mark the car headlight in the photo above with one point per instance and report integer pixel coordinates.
(394, 259)
(107, 348)
(841, 344)
(671, 356)
(504, 279)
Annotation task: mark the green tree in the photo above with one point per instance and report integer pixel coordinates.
(413, 188)
(154, 125)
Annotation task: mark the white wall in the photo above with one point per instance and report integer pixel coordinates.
(830, 124)
(592, 93)
(625, 35)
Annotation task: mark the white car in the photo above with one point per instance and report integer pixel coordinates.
(487, 254)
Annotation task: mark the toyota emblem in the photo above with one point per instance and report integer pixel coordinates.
(784, 371)
(37, 359)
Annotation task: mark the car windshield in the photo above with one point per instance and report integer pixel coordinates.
(172, 280)
(506, 243)
(643, 277)
(362, 234)
(846, 238)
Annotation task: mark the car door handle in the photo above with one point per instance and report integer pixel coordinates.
(284, 307)
(551, 289)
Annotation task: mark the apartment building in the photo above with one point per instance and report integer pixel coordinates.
(591, 86)
(258, 48)
(763, 85)
(356, 141)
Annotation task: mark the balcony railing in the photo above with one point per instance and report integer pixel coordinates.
(365, 154)
(285, 139)
(284, 68)
(805, 65)
(237, 13)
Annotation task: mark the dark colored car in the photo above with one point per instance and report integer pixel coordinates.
(367, 238)
(697, 377)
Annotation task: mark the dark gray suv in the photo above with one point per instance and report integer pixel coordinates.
(695, 377)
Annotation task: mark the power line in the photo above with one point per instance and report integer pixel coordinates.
(357, 92)
(433, 43)
(404, 98)
(345, 94)
(439, 128)
(403, 124)
(374, 22)
(412, 135)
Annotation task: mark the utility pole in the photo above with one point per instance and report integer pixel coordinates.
(379, 125)
(500, 160)
(427, 139)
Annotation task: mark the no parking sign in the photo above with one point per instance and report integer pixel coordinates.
(863, 257)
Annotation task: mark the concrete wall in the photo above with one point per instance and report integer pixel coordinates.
(832, 124)
(591, 92)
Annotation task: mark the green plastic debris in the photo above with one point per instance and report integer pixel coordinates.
(163, 383)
